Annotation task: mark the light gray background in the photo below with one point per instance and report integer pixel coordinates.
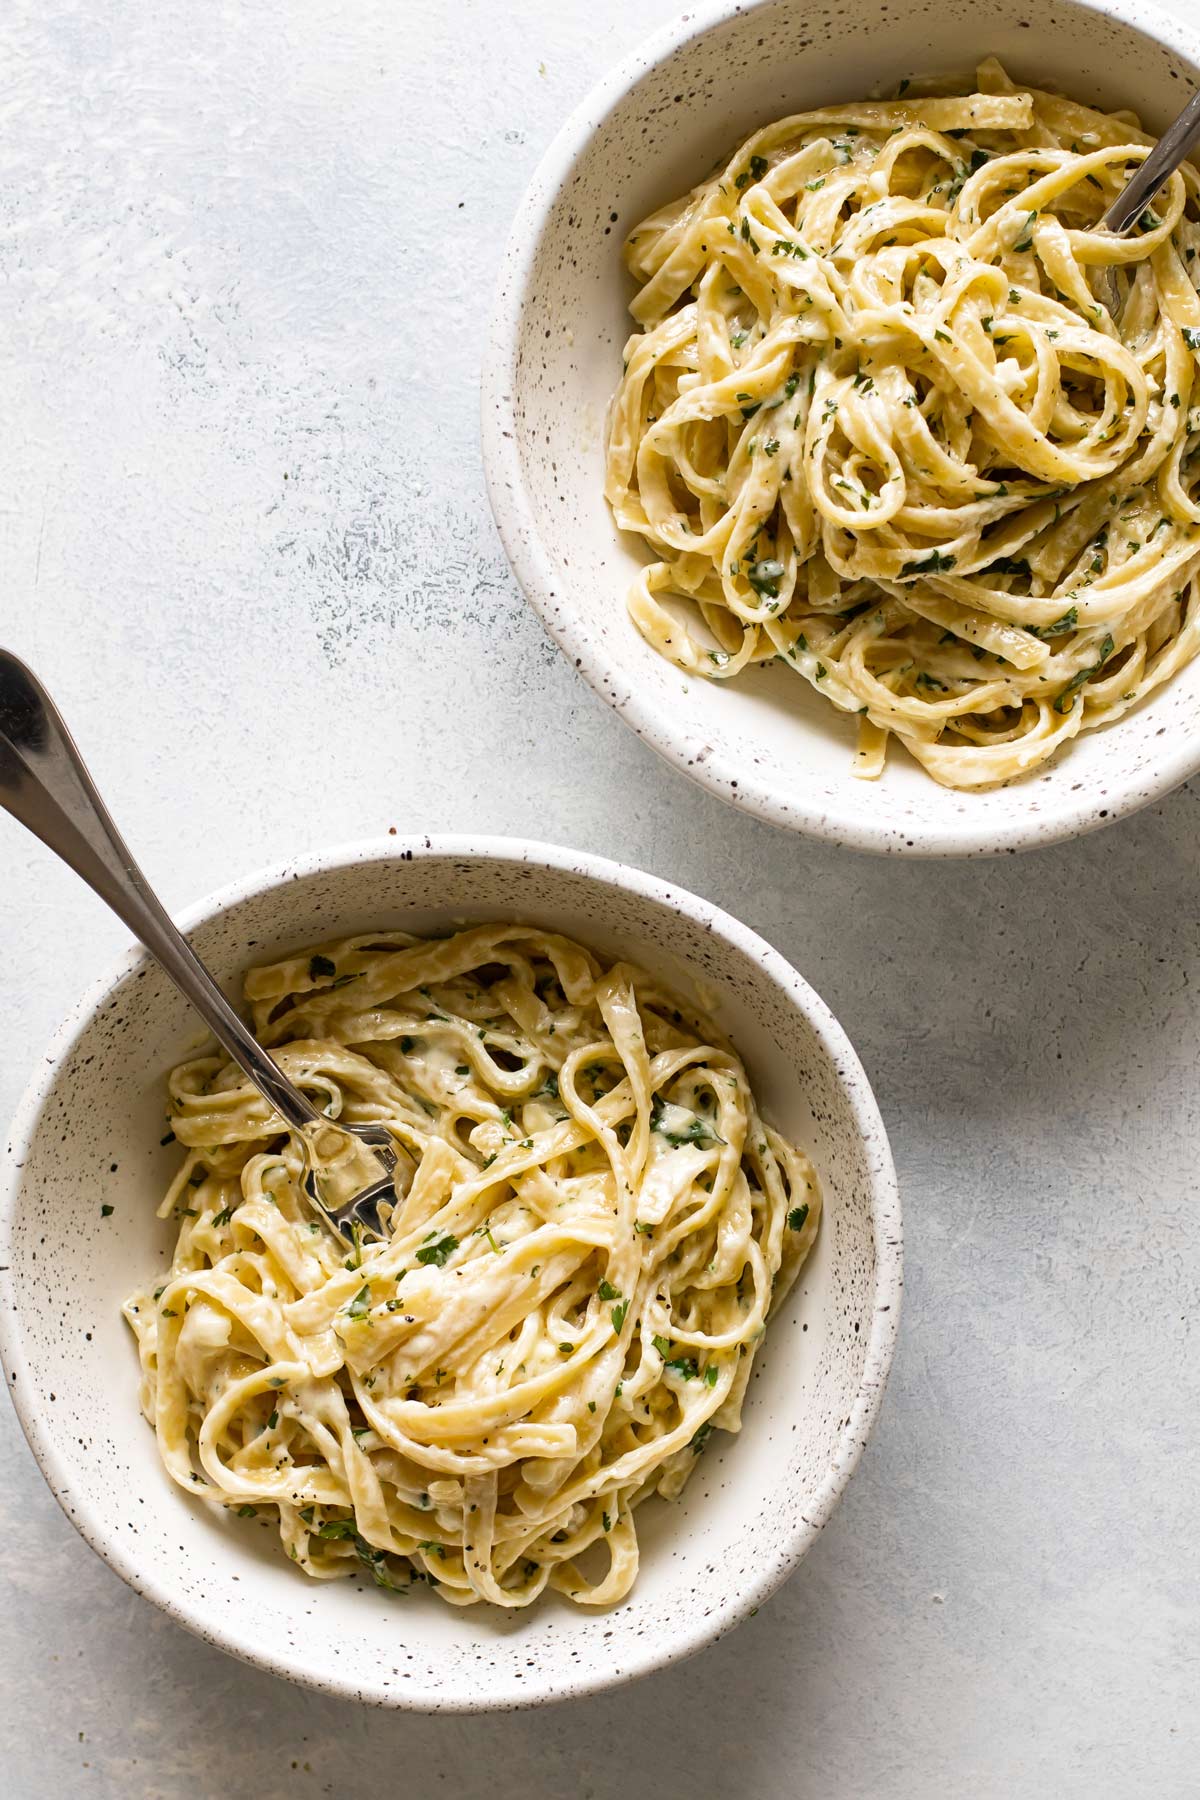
(246, 257)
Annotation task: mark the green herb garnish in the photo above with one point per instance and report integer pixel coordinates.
(1026, 242)
(1068, 622)
(438, 1253)
(698, 1132)
(764, 575)
(1066, 700)
(932, 564)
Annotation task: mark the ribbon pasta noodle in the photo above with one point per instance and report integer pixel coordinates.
(592, 1225)
(899, 413)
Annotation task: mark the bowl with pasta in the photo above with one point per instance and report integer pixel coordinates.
(601, 1380)
(836, 441)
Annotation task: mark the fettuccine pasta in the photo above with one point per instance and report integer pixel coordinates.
(592, 1225)
(899, 413)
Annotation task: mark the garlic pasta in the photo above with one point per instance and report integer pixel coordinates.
(900, 414)
(592, 1225)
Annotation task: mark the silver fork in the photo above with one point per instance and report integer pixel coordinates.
(350, 1169)
(1129, 205)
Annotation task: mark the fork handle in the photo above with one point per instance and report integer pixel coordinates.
(1149, 176)
(44, 784)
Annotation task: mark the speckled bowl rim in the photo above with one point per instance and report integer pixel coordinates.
(885, 1222)
(735, 780)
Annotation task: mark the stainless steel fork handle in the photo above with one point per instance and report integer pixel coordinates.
(44, 784)
(1162, 161)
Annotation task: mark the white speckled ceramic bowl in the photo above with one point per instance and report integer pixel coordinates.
(87, 1135)
(651, 130)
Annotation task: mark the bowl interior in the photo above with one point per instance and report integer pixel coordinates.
(89, 1136)
(766, 739)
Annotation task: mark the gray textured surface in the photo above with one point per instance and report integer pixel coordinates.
(225, 243)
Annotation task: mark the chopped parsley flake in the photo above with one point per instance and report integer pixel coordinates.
(932, 564)
(764, 576)
(1066, 700)
(360, 1306)
(1068, 622)
(438, 1253)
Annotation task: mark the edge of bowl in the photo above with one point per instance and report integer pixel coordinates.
(886, 1230)
(735, 782)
